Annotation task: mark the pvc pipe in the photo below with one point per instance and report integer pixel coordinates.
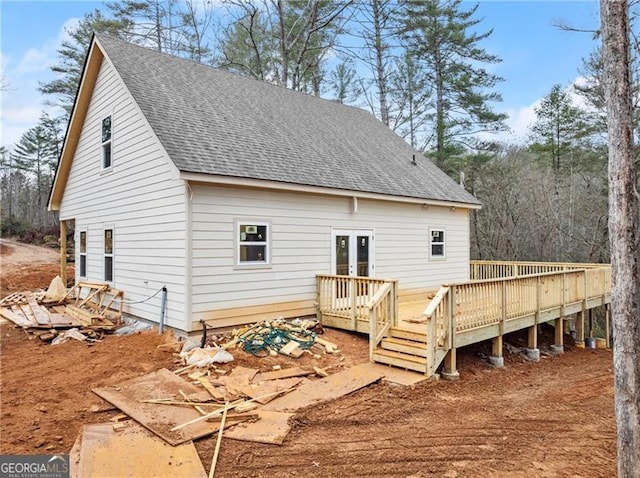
(163, 306)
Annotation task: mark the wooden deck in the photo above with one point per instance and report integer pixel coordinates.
(420, 331)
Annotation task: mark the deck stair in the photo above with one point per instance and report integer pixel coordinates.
(403, 348)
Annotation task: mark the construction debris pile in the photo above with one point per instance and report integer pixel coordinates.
(84, 312)
(164, 411)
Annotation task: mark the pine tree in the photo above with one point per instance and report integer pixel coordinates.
(35, 155)
(441, 36)
(73, 53)
(558, 126)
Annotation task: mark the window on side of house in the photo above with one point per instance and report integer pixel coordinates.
(436, 244)
(253, 243)
(106, 143)
(83, 253)
(108, 255)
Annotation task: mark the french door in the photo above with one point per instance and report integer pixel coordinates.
(352, 253)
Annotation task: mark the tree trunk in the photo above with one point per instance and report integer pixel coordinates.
(624, 234)
(381, 78)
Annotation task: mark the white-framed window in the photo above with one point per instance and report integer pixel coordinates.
(437, 243)
(106, 142)
(82, 248)
(108, 255)
(253, 244)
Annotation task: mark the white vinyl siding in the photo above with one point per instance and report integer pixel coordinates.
(300, 244)
(140, 199)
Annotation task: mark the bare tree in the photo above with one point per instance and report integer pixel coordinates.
(624, 232)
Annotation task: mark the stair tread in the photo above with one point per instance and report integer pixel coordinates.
(403, 341)
(408, 335)
(400, 355)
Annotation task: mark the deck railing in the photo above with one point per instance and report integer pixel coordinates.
(481, 270)
(351, 298)
(465, 307)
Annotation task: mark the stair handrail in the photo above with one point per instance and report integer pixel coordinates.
(376, 336)
(436, 323)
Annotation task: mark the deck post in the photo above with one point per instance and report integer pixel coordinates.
(533, 353)
(450, 372)
(496, 359)
(63, 251)
(580, 330)
(558, 346)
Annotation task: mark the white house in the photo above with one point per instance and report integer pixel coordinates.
(235, 193)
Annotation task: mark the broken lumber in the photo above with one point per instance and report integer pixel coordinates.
(283, 373)
(292, 349)
(329, 347)
(213, 391)
(214, 461)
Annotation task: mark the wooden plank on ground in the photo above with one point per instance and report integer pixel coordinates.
(264, 392)
(326, 389)
(17, 318)
(25, 310)
(284, 373)
(158, 418)
(133, 451)
(213, 391)
(397, 375)
(40, 313)
(272, 428)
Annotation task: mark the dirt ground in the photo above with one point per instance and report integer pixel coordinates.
(547, 419)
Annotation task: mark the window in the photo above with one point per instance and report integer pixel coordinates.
(83, 253)
(106, 142)
(436, 245)
(253, 243)
(108, 255)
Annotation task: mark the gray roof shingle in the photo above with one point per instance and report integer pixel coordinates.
(215, 122)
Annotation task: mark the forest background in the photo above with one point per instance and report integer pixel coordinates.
(421, 67)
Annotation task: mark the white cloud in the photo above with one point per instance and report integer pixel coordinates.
(22, 103)
(33, 61)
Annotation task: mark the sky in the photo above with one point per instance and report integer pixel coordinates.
(535, 53)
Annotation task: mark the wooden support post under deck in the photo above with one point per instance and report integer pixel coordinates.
(558, 346)
(496, 359)
(450, 372)
(533, 353)
(63, 251)
(580, 330)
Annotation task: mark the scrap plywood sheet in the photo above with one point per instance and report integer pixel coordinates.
(326, 389)
(134, 452)
(129, 396)
(272, 428)
(397, 375)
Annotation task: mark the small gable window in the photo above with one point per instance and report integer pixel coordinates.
(108, 255)
(253, 243)
(436, 244)
(83, 253)
(106, 142)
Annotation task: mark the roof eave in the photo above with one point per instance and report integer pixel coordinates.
(235, 181)
(74, 128)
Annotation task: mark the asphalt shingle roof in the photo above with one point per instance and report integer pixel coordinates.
(215, 122)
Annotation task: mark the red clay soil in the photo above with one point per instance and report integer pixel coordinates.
(548, 419)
